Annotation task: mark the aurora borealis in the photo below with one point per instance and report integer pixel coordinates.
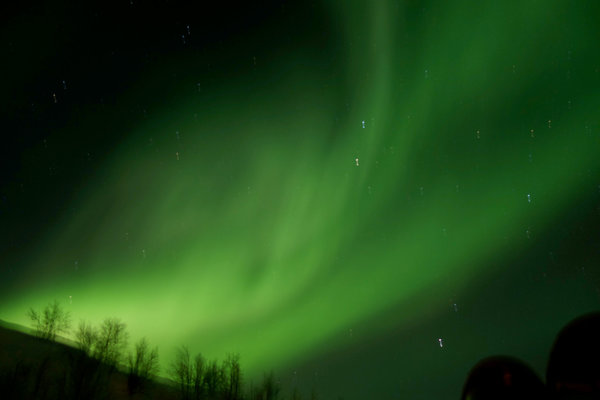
(327, 189)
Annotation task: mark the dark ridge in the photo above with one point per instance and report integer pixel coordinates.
(33, 368)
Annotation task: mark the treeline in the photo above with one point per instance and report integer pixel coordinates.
(106, 344)
(102, 354)
(199, 379)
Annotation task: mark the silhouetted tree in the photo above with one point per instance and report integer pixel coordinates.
(181, 371)
(268, 390)
(222, 381)
(52, 320)
(233, 381)
(198, 379)
(111, 341)
(86, 336)
(40, 386)
(143, 363)
(296, 394)
(254, 392)
(86, 377)
(270, 387)
(212, 378)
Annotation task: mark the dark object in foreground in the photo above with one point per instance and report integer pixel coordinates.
(573, 371)
(574, 366)
(500, 377)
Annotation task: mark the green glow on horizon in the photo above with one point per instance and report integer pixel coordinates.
(266, 239)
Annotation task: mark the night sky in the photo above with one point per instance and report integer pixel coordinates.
(366, 197)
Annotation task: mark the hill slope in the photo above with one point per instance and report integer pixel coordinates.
(32, 368)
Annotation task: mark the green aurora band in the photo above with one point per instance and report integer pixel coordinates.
(253, 230)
